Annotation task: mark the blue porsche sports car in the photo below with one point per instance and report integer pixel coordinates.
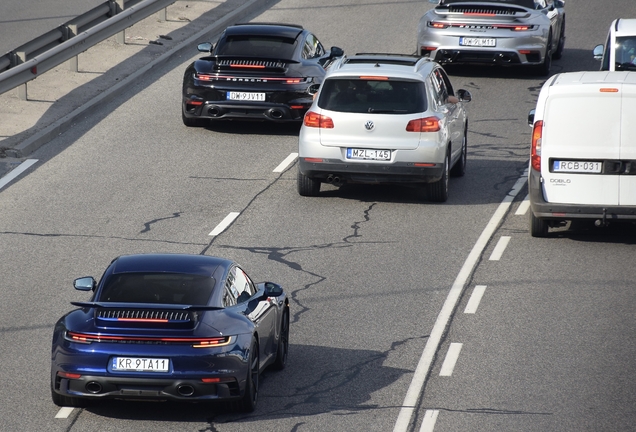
(170, 327)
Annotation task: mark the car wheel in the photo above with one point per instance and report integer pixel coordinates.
(67, 401)
(544, 68)
(538, 227)
(307, 186)
(459, 169)
(438, 191)
(192, 122)
(559, 51)
(283, 343)
(250, 397)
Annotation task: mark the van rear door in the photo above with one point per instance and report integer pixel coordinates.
(581, 128)
(628, 143)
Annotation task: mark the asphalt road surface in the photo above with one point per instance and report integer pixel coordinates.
(541, 337)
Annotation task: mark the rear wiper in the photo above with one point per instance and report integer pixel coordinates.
(386, 111)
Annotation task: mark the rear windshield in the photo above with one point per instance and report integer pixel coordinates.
(257, 46)
(163, 288)
(373, 96)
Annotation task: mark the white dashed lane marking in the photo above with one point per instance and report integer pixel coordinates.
(284, 164)
(451, 359)
(500, 248)
(224, 224)
(523, 207)
(475, 298)
(428, 423)
(64, 412)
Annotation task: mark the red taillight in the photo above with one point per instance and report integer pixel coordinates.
(427, 124)
(375, 78)
(313, 119)
(437, 25)
(204, 77)
(313, 160)
(521, 28)
(69, 375)
(146, 320)
(535, 152)
(211, 380)
(196, 342)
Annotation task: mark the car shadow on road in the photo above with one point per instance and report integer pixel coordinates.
(586, 231)
(317, 380)
(235, 127)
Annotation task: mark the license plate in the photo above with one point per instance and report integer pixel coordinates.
(576, 166)
(245, 96)
(368, 154)
(478, 42)
(140, 364)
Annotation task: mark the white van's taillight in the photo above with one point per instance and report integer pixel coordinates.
(535, 152)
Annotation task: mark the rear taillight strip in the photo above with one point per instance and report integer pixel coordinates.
(195, 342)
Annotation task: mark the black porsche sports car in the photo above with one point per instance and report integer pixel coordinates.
(255, 71)
(170, 327)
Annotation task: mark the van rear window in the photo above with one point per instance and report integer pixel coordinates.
(356, 95)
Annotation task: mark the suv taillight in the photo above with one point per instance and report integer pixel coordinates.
(535, 152)
(426, 124)
(316, 120)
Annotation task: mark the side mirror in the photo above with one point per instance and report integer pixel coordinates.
(464, 95)
(313, 89)
(531, 118)
(336, 52)
(205, 47)
(598, 52)
(87, 283)
(273, 290)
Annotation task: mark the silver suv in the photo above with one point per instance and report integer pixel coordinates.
(384, 118)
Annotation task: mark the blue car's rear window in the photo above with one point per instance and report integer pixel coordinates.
(160, 288)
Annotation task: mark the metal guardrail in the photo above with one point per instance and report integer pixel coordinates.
(25, 63)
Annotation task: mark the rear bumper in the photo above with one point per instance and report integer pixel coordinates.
(340, 172)
(545, 210)
(106, 387)
(222, 110)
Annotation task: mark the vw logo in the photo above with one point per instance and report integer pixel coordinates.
(369, 125)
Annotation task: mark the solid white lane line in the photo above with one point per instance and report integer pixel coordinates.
(475, 298)
(284, 164)
(451, 359)
(16, 172)
(428, 423)
(224, 224)
(424, 365)
(498, 251)
(523, 207)
(64, 412)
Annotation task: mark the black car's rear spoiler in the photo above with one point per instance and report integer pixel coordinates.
(163, 306)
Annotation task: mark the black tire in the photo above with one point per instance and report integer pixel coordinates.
(559, 51)
(283, 343)
(67, 401)
(538, 227)
(544, 68)
(192, 122)
(307, 186)
(250, 396)
(459, 169)
(438, 191)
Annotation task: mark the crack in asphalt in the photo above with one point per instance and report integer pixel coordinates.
(280, 254)
(492, 411)
(147, 224)
(91, 236)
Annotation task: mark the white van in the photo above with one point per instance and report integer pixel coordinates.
(619, 52)
(583, 155)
